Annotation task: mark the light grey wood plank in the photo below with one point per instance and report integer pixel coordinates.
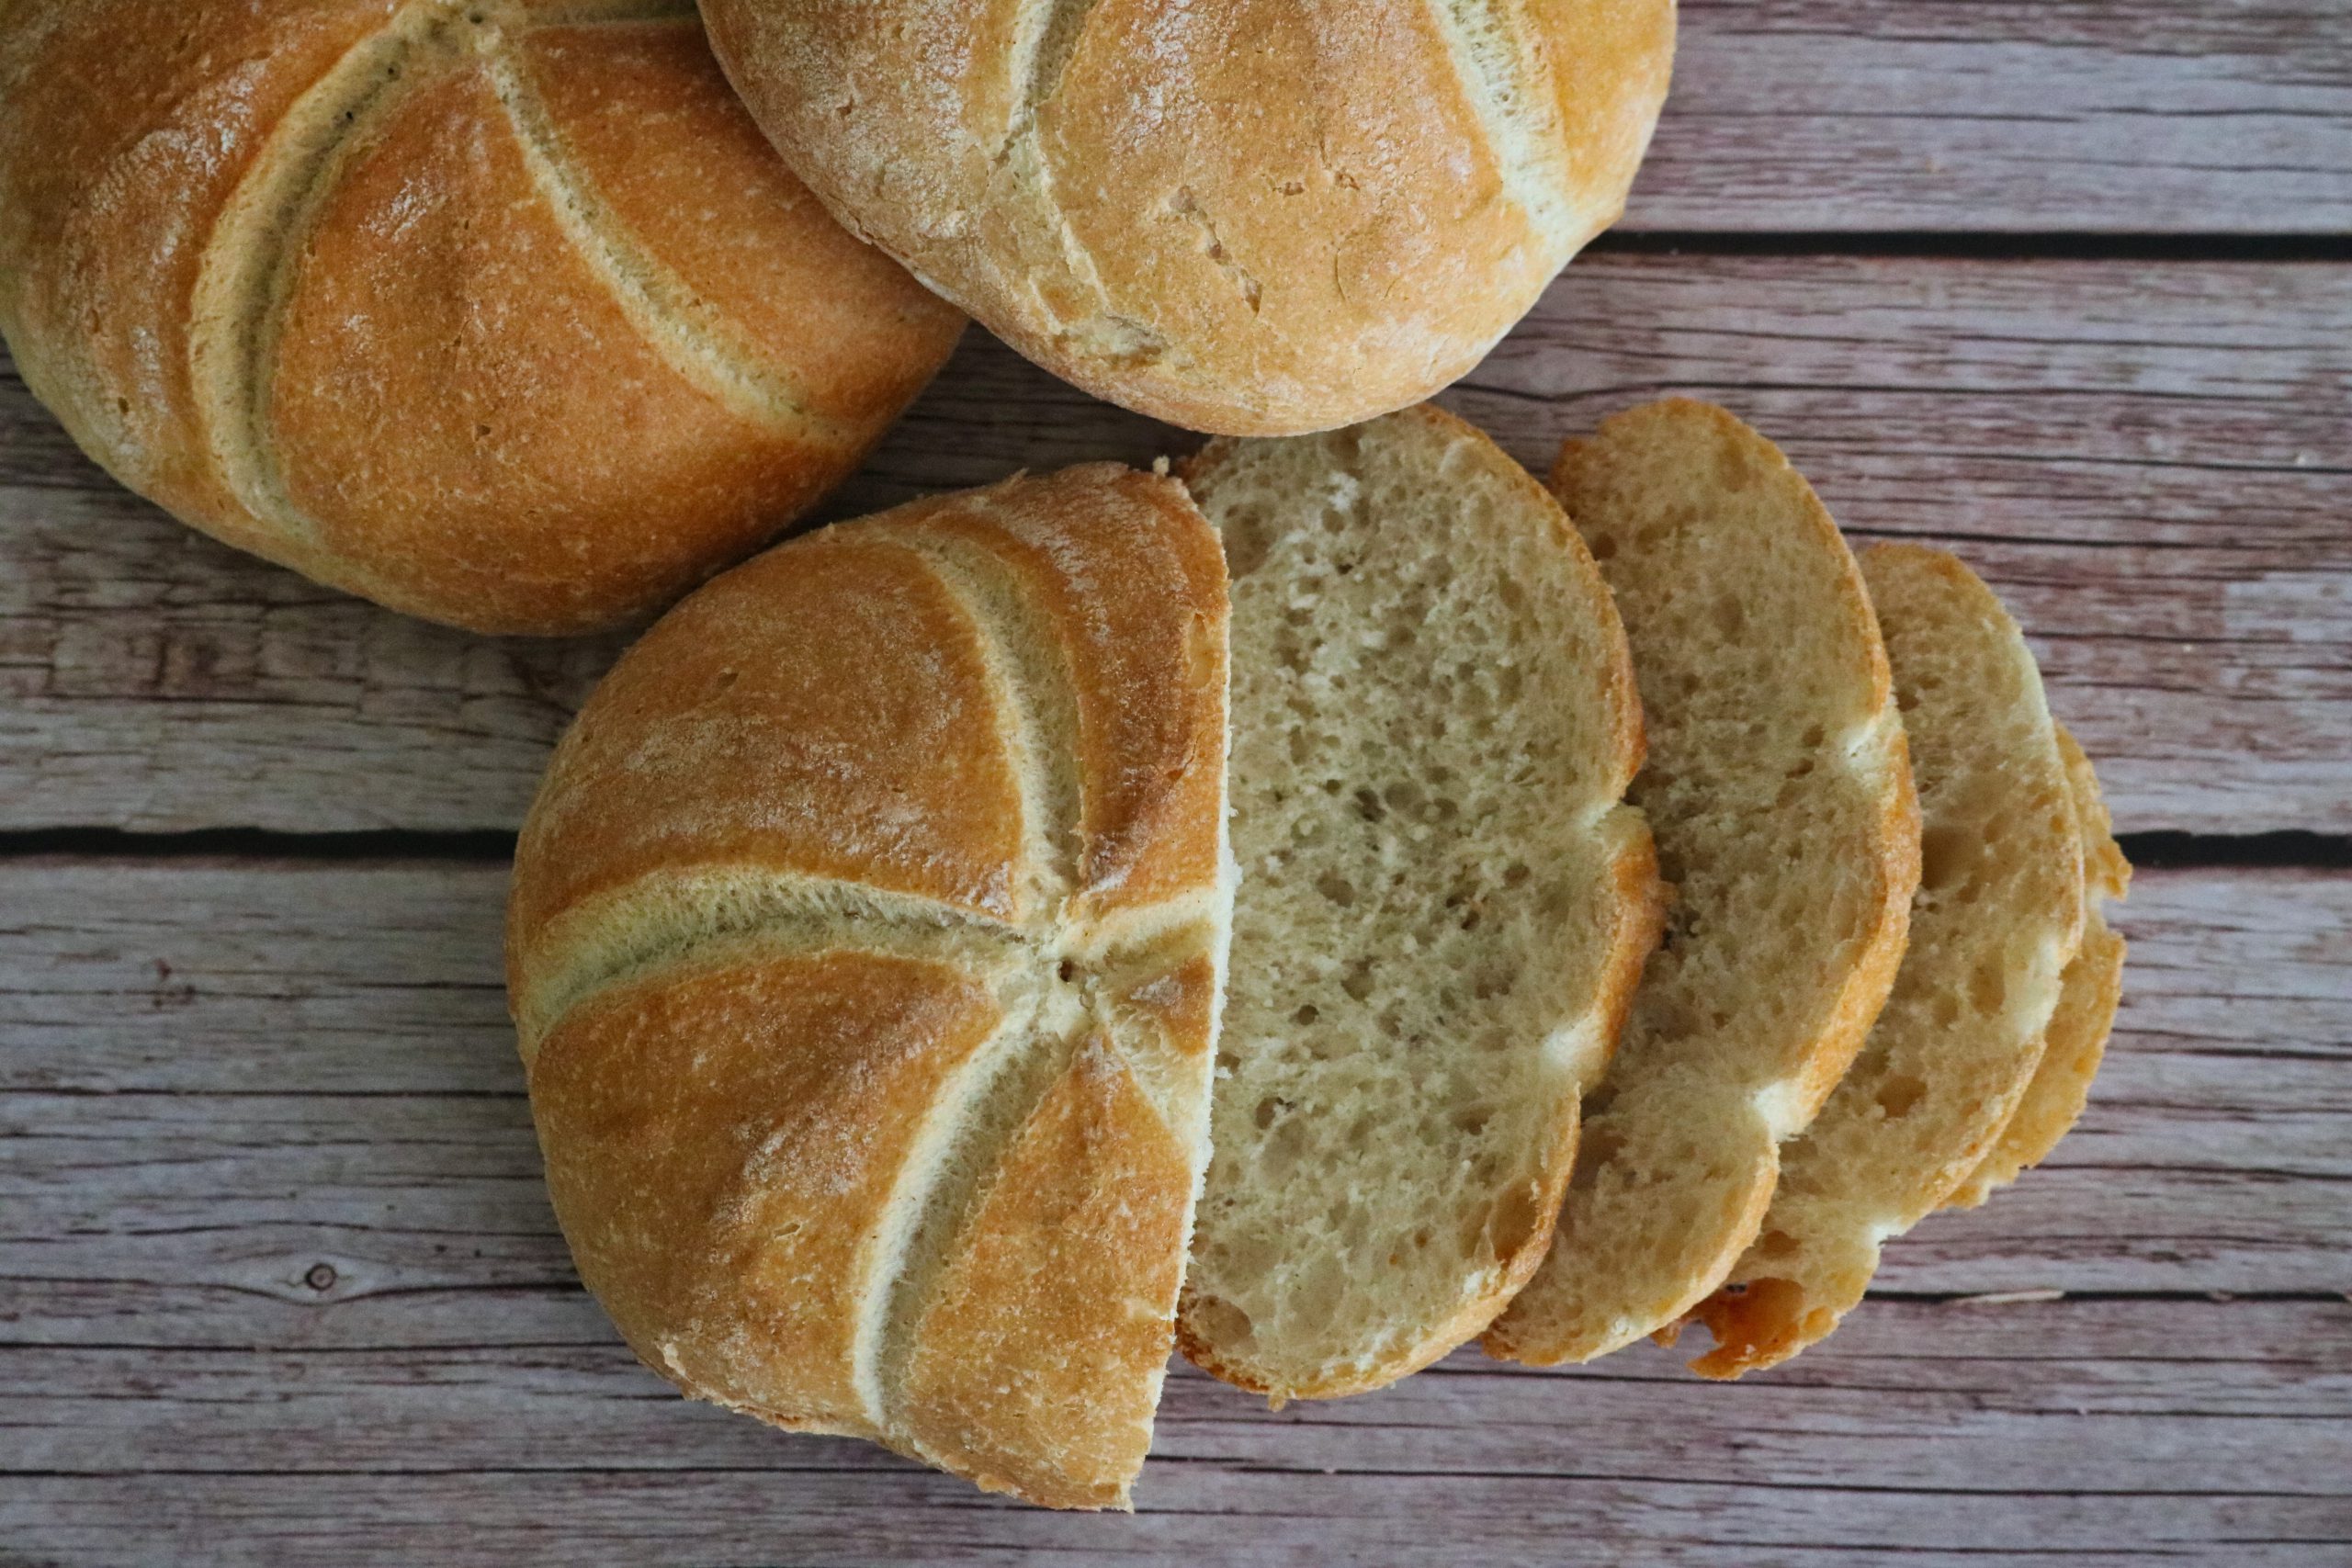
(2148, 462)
(2088, 1432)
(311, 1130)
(2126, 116)
(230, 976)
(176, 1367)
(1250, 1519)
(1976, 1396)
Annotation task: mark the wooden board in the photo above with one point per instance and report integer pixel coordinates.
(2103, 1432)
(2120, 117)
(2149, 461)
(204, 1057)
(278, 1268)
(2065, 286)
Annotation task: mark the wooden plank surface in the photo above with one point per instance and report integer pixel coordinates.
(2110, 116)
(2111, 1432)
(204, 1057)
(1247, 1517)
(278, 1270)
(2148, 461)
(2064, 284)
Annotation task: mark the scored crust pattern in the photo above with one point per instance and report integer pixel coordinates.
(1506, 82)
(501, 314)
(1099, 1044)
(246, 282)
(1244, 217)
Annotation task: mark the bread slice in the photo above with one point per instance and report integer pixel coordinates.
(1778, 789)
(1443, 904)
(2094, 987)
(1998, 917)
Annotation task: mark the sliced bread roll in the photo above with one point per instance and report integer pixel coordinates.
(864, 946)
(1780, 792)
(2078, 1031)
(1997, 920)
(1443, 905)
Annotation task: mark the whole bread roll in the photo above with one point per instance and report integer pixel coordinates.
(865, 944)
(498, 313)
(1251, 217)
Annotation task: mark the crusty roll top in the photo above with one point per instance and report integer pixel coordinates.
(499, 314)
(1002, 706)
(866, 942)
(1257, 217)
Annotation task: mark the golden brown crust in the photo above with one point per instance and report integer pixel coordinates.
(1180, 1004)
(862, 1115)
(642, 109)
(823, 711)
(1610, 64)
(1254, 216)
(1036, 1366)
(1146, 719)
(369, 288)
(438, 327)
(123, 142)
(721, 1144)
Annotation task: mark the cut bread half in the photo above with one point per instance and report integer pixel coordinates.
(1443, 903)
(1779, 790)
(2078, 1030)
(865, 942)
(1998, 918)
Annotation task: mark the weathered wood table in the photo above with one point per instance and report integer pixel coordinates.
(2066, 286)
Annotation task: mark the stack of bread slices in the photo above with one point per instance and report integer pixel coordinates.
(1319, 907)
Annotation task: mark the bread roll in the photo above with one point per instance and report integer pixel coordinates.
(1443, 904)
(1997, 920)
(1252, 217)
(865, 946)
(1779, 791)
(498, 313)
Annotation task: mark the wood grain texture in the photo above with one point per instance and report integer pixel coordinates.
(279, 1282)
(2080, 1431)
(276, 1268)
(2146, 460)
(1255, 1518)
(2114, 116)
(1959, 1372)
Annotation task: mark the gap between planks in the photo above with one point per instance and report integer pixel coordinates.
(100, 846)
(2020, 245)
